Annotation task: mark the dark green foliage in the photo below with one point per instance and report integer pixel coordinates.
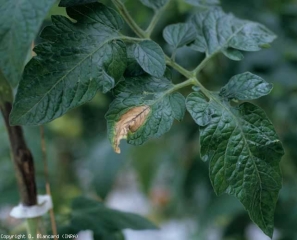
(92, 215)
(152, 92)
(77, 60)
(87, 53)
(20, 21)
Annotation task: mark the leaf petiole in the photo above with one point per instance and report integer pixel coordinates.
(130, 21)
(132, 39)
(203, 63)
(190, 75)
(155, 20)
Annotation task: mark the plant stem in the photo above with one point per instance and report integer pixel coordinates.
(47, 184)
(155, 20)
(203, 63)
(188, 82)
(131, 39)
(5, 91)
(33, 226)
(21, 155)
(125, 14)
(190, 75)
(178, 68)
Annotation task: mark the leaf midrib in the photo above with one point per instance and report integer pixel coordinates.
(227, 41)
(250, 153)
(62, 78)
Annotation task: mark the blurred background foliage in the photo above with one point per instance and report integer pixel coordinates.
(165, 179)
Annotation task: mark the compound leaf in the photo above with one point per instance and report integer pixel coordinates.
(20, 22)
(144, 108)
(154, 4)
(217, 31)
(77, 60)
(150, 56)
(246, 86)
(180, 34)
(243, 149)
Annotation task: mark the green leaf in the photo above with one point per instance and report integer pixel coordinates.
(203, 3)
(77, 60)
(154, 4)
(244, 153)
(180, 34)
(177, 102)
(92, 215)
(233, 54)
(246, 86)
(133, 68)
(217, 31)
(150, 56)
(148, 104)
(20, 22)
(72, 3)
(104, 165)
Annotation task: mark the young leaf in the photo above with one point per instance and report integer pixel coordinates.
(92, 215)
(244, 153)
(20, 22)
(180, 34)
(217, 31)
(77, 60)
(150, 57)
(154, 4)
(72, 3)
(144, 108)
(203, 3)
(246, 86)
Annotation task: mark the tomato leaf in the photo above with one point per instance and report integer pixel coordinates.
(77, 60)
(88, 214)
(241, 145)
(144, 109)
(180, 34)
(246, 86)
(217, 31)
(20, 22)
(150, 57)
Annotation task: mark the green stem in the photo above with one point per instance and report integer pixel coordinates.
(125, 14)
(155, 20)
(203, 63)
(190, 75)
(131, 39)
(5, 91)
(206, 92)
(178, 68)
(189, 82)
(32, 226)
(21, 156)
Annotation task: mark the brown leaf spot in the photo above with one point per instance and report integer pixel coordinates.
(130, 121)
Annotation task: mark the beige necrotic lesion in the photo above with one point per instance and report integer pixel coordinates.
(130, 121)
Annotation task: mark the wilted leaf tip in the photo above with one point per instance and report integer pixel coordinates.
(130, 121)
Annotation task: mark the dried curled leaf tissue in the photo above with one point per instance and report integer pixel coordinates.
(130, 121)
